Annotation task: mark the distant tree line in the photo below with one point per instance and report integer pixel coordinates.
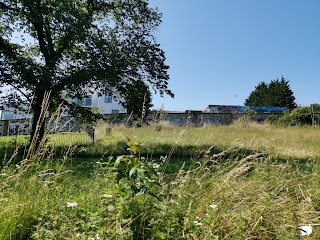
(278, 93)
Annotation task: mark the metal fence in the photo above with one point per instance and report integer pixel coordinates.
(53, 139)
(64, 132)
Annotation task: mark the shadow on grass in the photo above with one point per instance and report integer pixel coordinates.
(84, 157)
(188, 155)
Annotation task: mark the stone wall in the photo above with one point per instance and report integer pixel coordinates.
(69, 124)
(198, 119)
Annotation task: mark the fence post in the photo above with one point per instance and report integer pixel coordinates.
(90, 132)
(6, 130)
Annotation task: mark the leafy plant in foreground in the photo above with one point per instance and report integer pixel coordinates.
(133, 182)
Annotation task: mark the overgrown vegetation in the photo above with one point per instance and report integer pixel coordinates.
(258, 182)
(299, 116)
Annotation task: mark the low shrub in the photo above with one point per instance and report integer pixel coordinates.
(273, 119)
(299, 116)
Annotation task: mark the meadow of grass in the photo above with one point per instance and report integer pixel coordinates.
(285, 142)
(213, 182)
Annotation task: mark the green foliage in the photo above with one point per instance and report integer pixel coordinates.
(130, 207)
(249, 112)
(246, 117)
(259, 97)
(87, 116)
(315, 107)
(300, 116)
(133, 182)
(138, 99)
(276, 93)
(27, 188)
(273, 119)
(132, 175)
(71, 48)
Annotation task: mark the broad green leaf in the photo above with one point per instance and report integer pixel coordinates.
(133, 146)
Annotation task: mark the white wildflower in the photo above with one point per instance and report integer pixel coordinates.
(110, 208)
(143, 158)
(107, 195)
(129, 149)
(98, 163)
(155, 165)
(305, 230)
(197, 223)
(213, 206)
(71, 204)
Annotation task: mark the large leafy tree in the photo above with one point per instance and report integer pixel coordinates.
(66, 47)
(276, 93)
(138, 100)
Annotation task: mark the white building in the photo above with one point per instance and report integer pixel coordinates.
(10, 114)
(106, 105)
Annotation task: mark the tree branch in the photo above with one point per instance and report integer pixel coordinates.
(49, 38)
(85, 112)
(18, 63)
(20, 91)
(65, 42)
(6, 7)
(68, 38)
(37, 20)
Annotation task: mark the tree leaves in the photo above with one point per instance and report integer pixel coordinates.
(74, 46)
(276, 93)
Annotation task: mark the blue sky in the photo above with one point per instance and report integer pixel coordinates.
(219, 50)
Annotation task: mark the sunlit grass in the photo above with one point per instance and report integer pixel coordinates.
(287, 142)
(300, 142)
(233, 183)
(56, 140)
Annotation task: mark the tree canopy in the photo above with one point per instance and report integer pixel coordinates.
(276, 93)
(66, 47)
(138, 100)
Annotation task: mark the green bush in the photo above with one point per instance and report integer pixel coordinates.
(247, 117)
(300, 116)
(273, 119)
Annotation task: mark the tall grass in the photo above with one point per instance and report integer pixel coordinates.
(258, 182)
(27, 187)
(284, 142)
(252, 197)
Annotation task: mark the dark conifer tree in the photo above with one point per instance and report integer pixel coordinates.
(276, 93)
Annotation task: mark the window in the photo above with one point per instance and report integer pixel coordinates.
(108, 99)
(114, 111)
(7, 115)
(87, 101)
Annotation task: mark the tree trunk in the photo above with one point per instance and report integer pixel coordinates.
(38, 121)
